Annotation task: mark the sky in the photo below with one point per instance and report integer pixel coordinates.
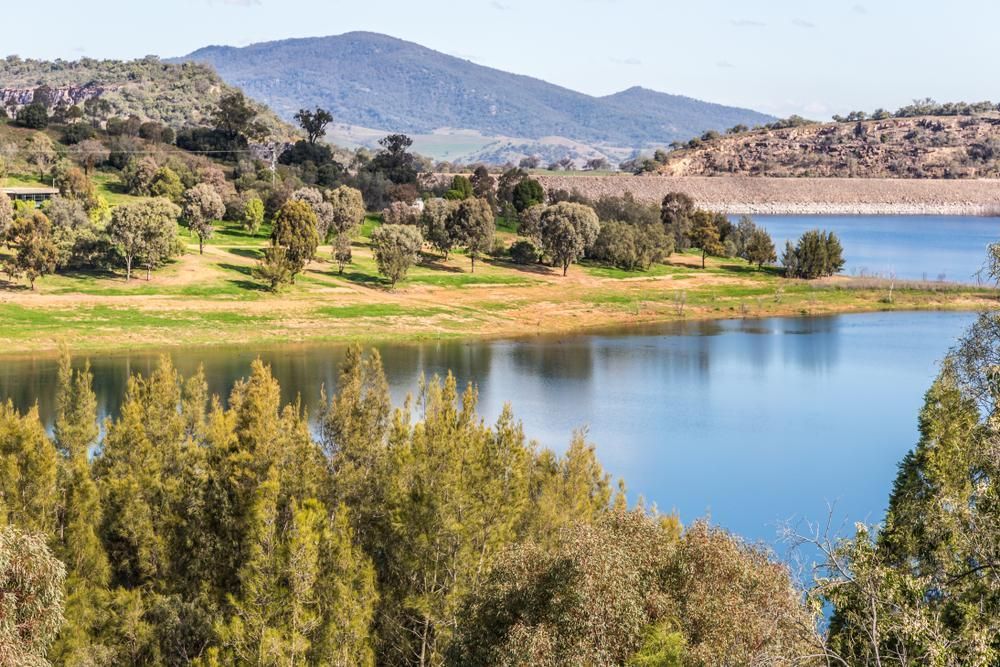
(810, 57)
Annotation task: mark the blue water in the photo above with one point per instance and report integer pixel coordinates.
(910, 247)
(751, 422)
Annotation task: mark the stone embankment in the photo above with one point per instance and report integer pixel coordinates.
(754, 195)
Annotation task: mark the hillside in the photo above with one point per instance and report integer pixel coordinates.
(375, 81)
(911, 147)
(178, 95)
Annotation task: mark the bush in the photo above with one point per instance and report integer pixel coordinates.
(77, 132)
(524, 252)
(33, 116)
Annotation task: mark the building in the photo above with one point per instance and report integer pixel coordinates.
(37, 195)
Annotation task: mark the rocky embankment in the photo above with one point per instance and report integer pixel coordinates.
(737, 195)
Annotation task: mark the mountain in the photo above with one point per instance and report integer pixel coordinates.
(178, 95)
(378, 82)
(923, 146)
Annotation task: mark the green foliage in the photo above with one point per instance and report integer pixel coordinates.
(632, 246)
(705, 235)
(253, 215)
(816, 254)
(144, 232)
(527, 193)
(471, 224)
(274, 268)
(524, 252)
(33, 116)
(676, 213)
(567, 231)
(201, 208)
(35, 252)
(295, 230)
(396, 249)
(31, 596)
(461, 188)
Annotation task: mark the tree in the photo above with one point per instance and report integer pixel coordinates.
(394, 160)
(567, 230)
(484, 185)
(922, 588)
(144, 232)
(472, 225)
(396, 248)
(295, 230)
(434, 222)
(526, 194)
(76, 237)
(314, 123)
(6, 214)
(348, 209)
(760, 248)
(41, 152)
(274, 268)
(90, 153)
(35, 252)
(816, 254)
(461, 188)
(676, 214)
(138, 175)
(236, 118)
(31, 597)
(705, 235)
(253, 215)
(167, 183)
(323, 209)
(202, 207)
(632, 246)
(342, 252)
(33, 116)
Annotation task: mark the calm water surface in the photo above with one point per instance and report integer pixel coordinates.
(752, 422)
(912, 247)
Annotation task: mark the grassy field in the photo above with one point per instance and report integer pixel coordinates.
(212, 299)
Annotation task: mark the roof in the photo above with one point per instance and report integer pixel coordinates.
(30, 191)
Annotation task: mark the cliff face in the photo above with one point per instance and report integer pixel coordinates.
(15, 98)
(922, 147)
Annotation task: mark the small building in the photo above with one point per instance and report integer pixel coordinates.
(36, 195)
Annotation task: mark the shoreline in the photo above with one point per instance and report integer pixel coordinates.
(761, 195)
(866, 300)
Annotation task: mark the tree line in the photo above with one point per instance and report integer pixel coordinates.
(191, 530)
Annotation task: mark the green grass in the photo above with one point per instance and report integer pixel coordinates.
(371, 223)
(18, 321)
(508, 226)
(465, 279)
(615, 273)
(376, 310)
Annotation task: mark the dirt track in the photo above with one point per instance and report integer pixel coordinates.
(813, 196)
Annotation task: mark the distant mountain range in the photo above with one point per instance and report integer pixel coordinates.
(375, 82)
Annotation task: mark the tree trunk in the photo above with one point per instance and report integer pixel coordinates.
(703, 259)
(473, 262)
(565, 268)
(128, 269)
(201, 245)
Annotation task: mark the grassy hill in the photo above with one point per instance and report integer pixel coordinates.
(376, 81)
(178, 95)
(925, 146)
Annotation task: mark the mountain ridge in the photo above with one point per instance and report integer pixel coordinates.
(376, 81)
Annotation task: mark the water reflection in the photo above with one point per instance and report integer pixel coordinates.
(753, 421)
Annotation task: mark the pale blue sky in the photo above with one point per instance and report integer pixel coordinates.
(810, 57)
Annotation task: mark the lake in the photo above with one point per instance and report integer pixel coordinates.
(910, 247)
(749, 421)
